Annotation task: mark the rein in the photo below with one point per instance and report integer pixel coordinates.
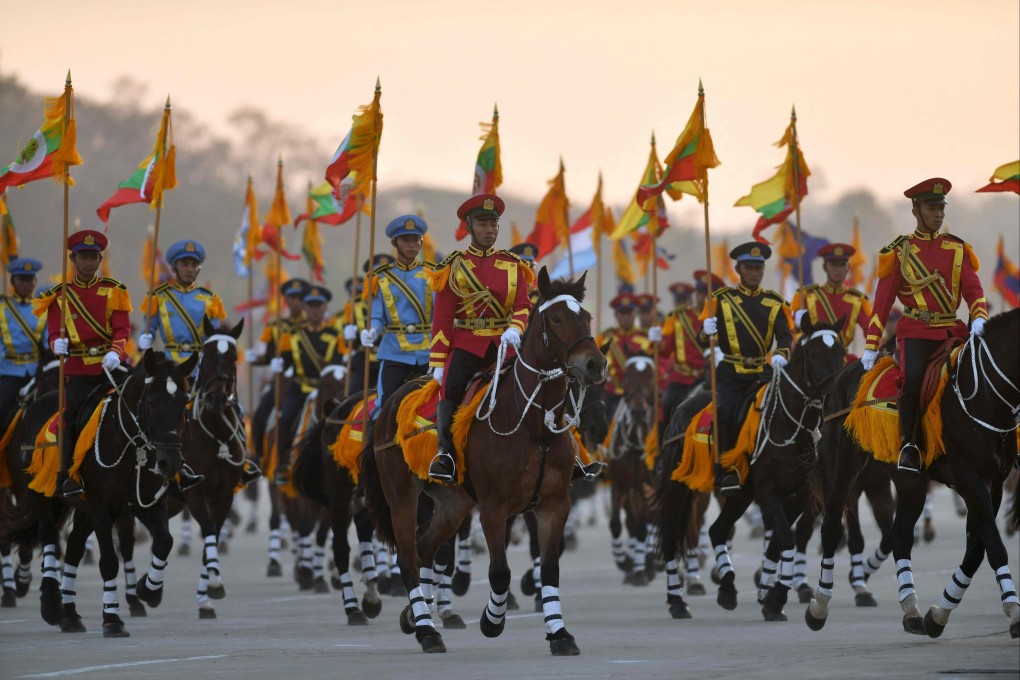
(197, 398)
(980, 354)
(627, 436)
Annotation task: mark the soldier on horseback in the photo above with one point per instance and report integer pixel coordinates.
(929, 272)
(627, 340)
(481, 302)
(829, 301)
(96, 315)
(750, 318)
(680, 348)
(22, 335)
(528, 252)
(355, 320)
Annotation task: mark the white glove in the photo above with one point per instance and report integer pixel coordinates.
(289, 373)
(60, 346)
(350, 332)
(276, 364)
(778, 361)
(437, 375)
(144, 341)
(869, 358)
(512, 337)
(368, 336)
(797, 316)
(111, 361)
(710, 326)
(655, 334)
(251, 357)
(977, 326)
(338, 372)
(719, 356)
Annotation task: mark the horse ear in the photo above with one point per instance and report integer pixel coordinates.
(806, 325)
(543, 280)
(150, 361)
(207, 327)
(235, 332)
(838, 326)
(188, 365)
(605, 346)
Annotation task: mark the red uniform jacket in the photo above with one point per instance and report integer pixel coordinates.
(479, 294)
(680, 346)
(928, 273)
(829, 304)
(625, 344)
(97, 319)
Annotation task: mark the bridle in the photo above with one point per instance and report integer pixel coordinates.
(981, 358)
(198, 406)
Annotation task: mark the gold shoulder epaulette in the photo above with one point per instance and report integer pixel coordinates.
(113, 282)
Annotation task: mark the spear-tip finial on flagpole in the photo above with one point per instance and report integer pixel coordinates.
(701, 88)
(378, 85)
(279, 163)
(68, 81)
(495, 110)
(653, 137)
(168, 102)
(561, 162)
(793, 112)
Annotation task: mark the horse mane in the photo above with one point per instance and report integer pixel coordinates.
(564, 287)
(997, 323)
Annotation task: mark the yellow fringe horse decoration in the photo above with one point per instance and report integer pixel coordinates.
(46, 458)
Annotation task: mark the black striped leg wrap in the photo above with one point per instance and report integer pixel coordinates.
(619, 555)
(130, 578)
(639, 556)
(905, 579)
(653, 537)
(68, 588)
(319, 562)
(212, 555)
(368, 573)
(692, 566)
(420, 609)
(857, 571)
(825, 579)
(1005, 581)
(954, 591)
(536, 572)
(874, 561)
(444, 594)
(786, 568)
(551, 609)
(768, 573)
(49, 562)
(382, 560)
(799, 569)
(394, 566)
(8, 572)
(495, 610)
(673, 585)
(23, 574)
(722, 560)
(347, 592)
(274, 544)
(202, 594)
(110, 605)
(185, 531)
(426, 582)
(305, 556)
(464, 557)
(154, 578)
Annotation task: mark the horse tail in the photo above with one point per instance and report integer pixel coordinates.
(375, 499)
(308, 468)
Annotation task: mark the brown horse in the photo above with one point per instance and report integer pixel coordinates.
(519, 457)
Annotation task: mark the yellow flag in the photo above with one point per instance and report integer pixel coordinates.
(858, 261)
(624, 272)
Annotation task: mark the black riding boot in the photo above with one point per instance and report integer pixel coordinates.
(910, 458)
(68, 488)
(726, 481)
(443, 468)
(250, 472)
(188, 478)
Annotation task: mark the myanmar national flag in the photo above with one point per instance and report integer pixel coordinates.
(326, 208)
(154, 175)
(776, 198)
(51, 147)
(8, 236)
(1007, 277)
(1008, 176)
(488, 168)
(357, 150)
(635, 216)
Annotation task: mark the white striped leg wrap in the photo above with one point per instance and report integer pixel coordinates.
(874, 561)
(927, 512)
(551, 609)
(420, 609)
(274, 544)
(212, 555)
(23, 573)
(825, 578)
(495, 610)
(722, 560)
(155, 575)
(284, 525)
(202, 594)
(799, 569)
(49, 563)
(639, 556)
(8, 572)
(618, 553)
(464, 557)
(382, 560)
(786, 568)
(394, 565)
(185, 530)
(954, 591)
(768, 573)
(444, 594)
(130, 578)
(305, 557)
(319, 562)
(653, 536)
(1006, 585)
(857, 570)
(425, 582)
(110, 605)
(631, 546)
(704, 545)
(767, 540)
(68, 589)
(692, 566)
(905, 577)
(367, 562)
(673, 586)
(347, 591)
(225, 532)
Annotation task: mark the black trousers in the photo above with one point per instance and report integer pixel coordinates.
(356, 366)
(291, 403)
(730, 389)
(393, 374)
(914, 356)
(77, 389)
(10, 385)
(460, 368)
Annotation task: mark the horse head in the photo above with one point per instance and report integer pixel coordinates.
(818, 356)
(595, 417)
(561, 333)
(217, 365)
(639, 385)
(159, 402)
(330, 392)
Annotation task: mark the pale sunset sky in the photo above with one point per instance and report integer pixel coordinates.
(887, 92)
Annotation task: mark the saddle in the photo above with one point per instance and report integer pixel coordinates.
(887, 388)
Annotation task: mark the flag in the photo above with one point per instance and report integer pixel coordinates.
(584, 238)
(722, 264)
(515, 234)
(8, 236)
(325, 208)
(248, 235)
(52, 149)
(788, 252)
(552, 227)
(1008, 176)
(634, 217)
(154, 175)
(488, 168)
(311, 248)
(688, 163)
(775, 198)
(858, 260)
(276, 218)
(643, 253)
(1007, 277)
(152, 254)
(357, 151)
(621, 259)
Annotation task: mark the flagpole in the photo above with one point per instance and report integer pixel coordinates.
(566, 221)
(371, 251)
(598, 284)
(155, 233)
(308, 211)
(277, 382)
(655, 307)
(61, 391)
(251, 316)
(796, 203)
(354, 288)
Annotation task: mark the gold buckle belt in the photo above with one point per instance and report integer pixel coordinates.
(409, 328)
(746, 362)
(181, 347)
(479, 324)
(22, 358)
(96, 351)
(929, 317)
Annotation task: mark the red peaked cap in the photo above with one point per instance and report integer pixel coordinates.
(836, 251)
(488, 205)
(87, 239)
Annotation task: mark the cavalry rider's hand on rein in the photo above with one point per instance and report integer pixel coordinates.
(350, 332)
(437, 375)
(710, 326)
(869, 358)
(145, 341)
(276, 364)
(111, 361)
(977, 327)
(778, 361)
(511, 336)
(655, 334)
(60, 346)
(369, 336)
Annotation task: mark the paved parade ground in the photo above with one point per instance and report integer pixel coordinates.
(267, 629)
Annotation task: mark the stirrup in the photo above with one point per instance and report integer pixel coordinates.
(437, 467)
(250, 472)
(727, 481)
(188, 478)
(70, 488)
(590, 471)
(903, 465)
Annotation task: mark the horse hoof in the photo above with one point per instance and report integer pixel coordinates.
(135, 606)
(113, 627)
(461, 582)
(812, 622)
(406, 621)
(490, 629)
(1014, 630)
(397, 588)
(511, 601)
(88, 558)
(382, 583)
(432, 642)
(528, 583)
(727, 595)
(805, 593)
(931, 627)
(696, 588)
(148, 595)
(305, 578)
(679, 610)
(216, 592)
(627, 564)
(357, 618)
(224, 548)
(21, 587)
(251, 527)
(49, 601)
(206, 613)
(715, 575)
(371, 607)
(71, 621)
(454, 622)
(274, 569)
(561, 643)
(184, 550)
(9, 599)
(320, 586)
(757, 577)
(913, 625)
(772, 615)
(639, 578)
(863, 599)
